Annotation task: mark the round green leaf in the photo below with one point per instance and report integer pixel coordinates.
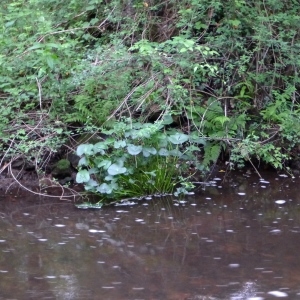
(167, 120)
(119, 144)
(83, 161)
(197, 140)
(82, 176)
(93, 171)
(163, 152)
(105, 163)
(90, 185)
(163, 142)
(109, 178)
(175, 152)
(100, 147)
(104, 188)
(87, 149)
(147, 151)
(178, 138)
(92, 182)
(134, 150)
(115, 169)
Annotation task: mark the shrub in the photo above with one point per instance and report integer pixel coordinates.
(135, 160)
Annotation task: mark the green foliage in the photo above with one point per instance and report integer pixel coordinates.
(211, 153)
(135, 160)
(227, 70)
(250, 148)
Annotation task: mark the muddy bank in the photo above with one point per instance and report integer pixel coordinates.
(30, 183)
(55, 178)
(58, 178)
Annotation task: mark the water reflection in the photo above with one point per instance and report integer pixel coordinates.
(231, 241)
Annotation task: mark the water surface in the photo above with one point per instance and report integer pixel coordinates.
(232, 240)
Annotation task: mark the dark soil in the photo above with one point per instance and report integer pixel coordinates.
(20, 183)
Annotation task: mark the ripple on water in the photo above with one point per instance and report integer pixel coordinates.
(139, 220)
(264, 181)
(95, 230)
(280, 201)
(210, 230)
(278, 294)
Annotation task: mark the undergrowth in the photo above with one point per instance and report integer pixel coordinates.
(137, 160)
(225, 71)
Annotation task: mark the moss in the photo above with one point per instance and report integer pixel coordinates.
(62, 164)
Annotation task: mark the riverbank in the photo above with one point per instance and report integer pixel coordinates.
(15, 181)
(217, 81)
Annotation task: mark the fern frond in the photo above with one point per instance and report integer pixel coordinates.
(211, 153)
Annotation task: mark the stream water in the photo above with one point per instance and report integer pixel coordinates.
(238, 237)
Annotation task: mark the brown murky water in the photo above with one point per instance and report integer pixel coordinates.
(234, 240)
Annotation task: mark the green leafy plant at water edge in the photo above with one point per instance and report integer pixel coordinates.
(134, 160)
(251, 148)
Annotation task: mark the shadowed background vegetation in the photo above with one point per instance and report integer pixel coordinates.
(226, 71)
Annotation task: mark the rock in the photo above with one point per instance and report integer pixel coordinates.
(22, 164)
(65, 180)
(73, 159)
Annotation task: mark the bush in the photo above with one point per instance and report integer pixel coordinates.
(136, 160)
